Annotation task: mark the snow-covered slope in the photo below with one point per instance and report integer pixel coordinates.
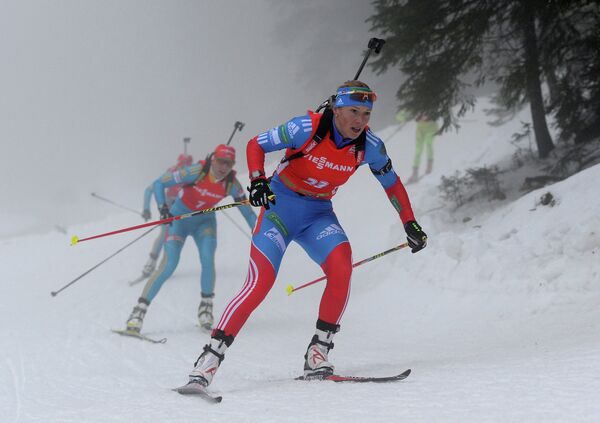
(498, 318)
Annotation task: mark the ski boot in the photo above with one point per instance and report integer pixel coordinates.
(205, 313)
(136, 318)
(209, 361)
(316, 362)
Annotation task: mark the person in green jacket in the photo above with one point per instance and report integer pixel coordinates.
(427, 129)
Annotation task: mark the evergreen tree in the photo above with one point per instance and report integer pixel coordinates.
(570, 55)
(443, 46)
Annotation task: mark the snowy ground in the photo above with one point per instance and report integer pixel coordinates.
(499, 317)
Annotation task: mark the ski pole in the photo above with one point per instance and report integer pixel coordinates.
(115, 204)
(55, 293)
(76, 240)
(290, 288)
(375, 44)
(186, 141)
(395, 132)
(237, 126)
(236, 225)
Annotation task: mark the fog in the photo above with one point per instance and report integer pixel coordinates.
(98, 95)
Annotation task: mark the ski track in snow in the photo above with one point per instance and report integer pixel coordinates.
(498, 318)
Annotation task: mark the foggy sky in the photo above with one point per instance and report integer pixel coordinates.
(96, 96)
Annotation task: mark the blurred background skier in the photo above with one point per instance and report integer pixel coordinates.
(170, 195)
(202, 186)
(427, 129)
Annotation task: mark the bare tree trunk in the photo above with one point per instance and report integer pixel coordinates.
(534, 89)
(552, 85)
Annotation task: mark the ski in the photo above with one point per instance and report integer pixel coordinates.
(198, 390)
(138, 280)
(361, 379)
(125, 332)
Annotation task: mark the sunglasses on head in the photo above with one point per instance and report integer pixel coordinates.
(361, 96)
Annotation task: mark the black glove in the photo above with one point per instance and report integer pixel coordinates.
(260, 193)
(146, 215)
(417, 239)
(164, 212)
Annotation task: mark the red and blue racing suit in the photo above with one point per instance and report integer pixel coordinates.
(303, 212)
